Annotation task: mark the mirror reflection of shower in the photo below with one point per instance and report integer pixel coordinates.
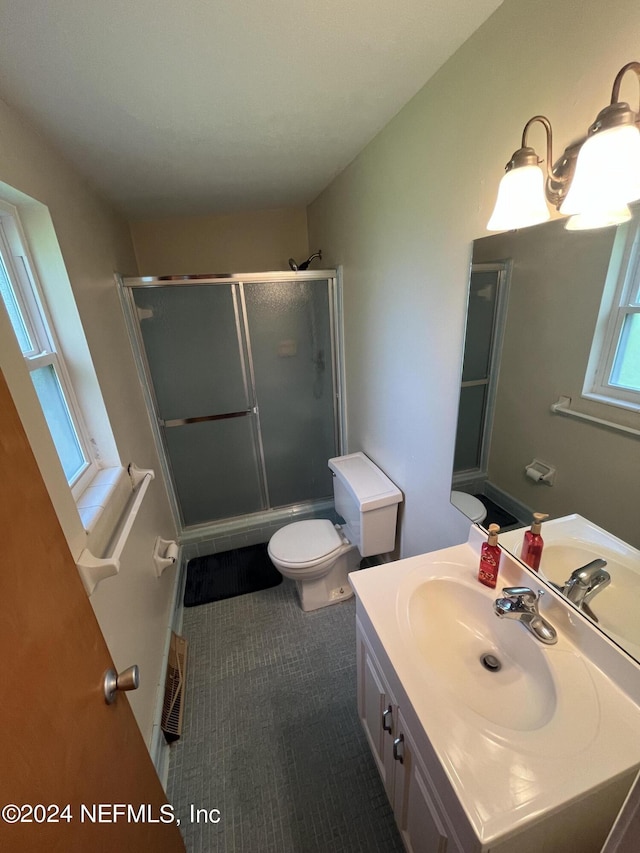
(305, 264)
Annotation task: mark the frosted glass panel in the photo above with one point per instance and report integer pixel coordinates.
(470, 423)
(291, 347)
(193, 350)
(215, 469)
(483, 293)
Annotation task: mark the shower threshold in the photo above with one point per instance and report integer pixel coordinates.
(254, 524)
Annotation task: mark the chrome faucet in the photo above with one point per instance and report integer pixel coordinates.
(584, 583)
(521, 603)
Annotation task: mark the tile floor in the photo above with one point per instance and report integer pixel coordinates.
(271, 736)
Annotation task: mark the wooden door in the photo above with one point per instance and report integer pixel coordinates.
(62, 745)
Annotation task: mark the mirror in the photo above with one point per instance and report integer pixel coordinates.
(536, 299)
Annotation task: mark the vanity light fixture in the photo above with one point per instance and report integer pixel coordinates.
(593, 182)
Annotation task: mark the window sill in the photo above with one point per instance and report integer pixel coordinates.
(616, 402)
(99, 495)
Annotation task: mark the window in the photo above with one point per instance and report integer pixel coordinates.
(614, 366)
(29, 316)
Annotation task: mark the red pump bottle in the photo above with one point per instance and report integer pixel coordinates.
(533, 543)
(490, 558)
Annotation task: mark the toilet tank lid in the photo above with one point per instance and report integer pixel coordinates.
(370, 487)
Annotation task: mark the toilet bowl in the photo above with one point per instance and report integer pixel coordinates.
(471, 506)
(318, 557)
(318, 554)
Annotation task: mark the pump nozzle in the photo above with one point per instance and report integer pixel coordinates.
(538, 518)
(494, 529)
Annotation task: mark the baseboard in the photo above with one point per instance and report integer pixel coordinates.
(159, 748)
(521, 511)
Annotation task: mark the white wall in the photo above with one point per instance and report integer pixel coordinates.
(237, 242)
(402, 217)
(132, 608)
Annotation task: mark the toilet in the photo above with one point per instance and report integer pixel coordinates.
(470, 506)
(319, 554)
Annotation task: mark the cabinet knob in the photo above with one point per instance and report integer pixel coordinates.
(387, 717)
(396, 743)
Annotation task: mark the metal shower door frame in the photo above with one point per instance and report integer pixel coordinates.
(125, 287)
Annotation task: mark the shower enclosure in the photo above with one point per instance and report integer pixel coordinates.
(242, 382)
(483, 342)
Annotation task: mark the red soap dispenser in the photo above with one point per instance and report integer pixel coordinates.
(533, 543)
(490, 558)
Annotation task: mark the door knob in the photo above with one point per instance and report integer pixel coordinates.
(129, 679)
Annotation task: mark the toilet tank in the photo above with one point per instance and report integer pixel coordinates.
(368, 501)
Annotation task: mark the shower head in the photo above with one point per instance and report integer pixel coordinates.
(305, 264)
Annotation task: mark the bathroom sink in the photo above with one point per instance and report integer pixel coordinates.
(495, 667)
(492, 668)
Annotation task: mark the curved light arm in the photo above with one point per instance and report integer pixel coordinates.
(544, 121)
(615, 92)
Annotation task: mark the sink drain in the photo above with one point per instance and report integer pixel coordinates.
(490, 662)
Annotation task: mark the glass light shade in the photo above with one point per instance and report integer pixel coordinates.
(521, 201)
(607, 175)
(597, 219)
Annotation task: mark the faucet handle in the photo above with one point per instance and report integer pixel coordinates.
(523, 592)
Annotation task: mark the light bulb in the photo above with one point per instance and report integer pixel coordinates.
(521, 201)
(607, 175)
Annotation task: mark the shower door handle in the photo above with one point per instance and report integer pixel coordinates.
(221, 417)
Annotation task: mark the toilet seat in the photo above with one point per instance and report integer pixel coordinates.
(306, 544)
(471, 506)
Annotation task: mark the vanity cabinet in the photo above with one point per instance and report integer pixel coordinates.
(429, 814)
(419, 820)
(407, 782)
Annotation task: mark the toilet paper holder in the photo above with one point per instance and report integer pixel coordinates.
(540, 472)
(165, 554)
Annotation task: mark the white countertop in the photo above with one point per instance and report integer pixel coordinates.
(505, 777)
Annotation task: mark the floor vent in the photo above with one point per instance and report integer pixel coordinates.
(173, 706)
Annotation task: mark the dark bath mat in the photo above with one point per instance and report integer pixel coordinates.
(497, 515)
(228, 574)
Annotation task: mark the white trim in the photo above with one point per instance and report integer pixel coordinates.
(159, 749)
(619, 300)
(40, 328)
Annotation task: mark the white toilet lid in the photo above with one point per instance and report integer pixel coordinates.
(469, 505)
(305, 541)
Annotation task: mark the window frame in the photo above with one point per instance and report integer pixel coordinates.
(621, 288)
(29, 295)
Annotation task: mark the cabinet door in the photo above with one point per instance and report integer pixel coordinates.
(421, 827)
(378, 711)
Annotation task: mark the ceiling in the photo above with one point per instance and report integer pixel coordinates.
(210, 107)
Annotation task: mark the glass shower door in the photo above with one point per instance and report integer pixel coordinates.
(196, 359)
(477, 379)
(289, 324)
